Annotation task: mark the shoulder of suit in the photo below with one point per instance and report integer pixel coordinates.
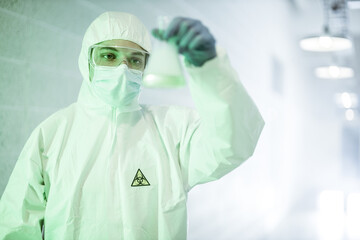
(64, 114)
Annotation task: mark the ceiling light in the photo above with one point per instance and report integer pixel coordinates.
(353, 4)
(349, 114)
(334, 36)
(334, 72)
(325, 43)
(346, 100)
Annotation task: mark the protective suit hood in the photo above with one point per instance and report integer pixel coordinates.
(108, 26)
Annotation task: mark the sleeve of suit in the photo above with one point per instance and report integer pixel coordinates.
(23, 202)
(224, 130)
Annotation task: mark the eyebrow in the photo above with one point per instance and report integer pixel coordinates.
(132, 53)
(138, 53)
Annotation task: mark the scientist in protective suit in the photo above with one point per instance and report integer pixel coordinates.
(107, 167)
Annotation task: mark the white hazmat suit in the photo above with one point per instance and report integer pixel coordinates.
(92, 171)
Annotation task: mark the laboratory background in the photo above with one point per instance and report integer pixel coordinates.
(298, 59)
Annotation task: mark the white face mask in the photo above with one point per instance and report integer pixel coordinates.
(117, 86)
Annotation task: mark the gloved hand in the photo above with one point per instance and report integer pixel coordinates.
(191, 37)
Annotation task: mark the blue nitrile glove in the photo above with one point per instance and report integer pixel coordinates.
(192, 38)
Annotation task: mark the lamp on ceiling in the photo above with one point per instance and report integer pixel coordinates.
(353, 4)
(334, 72)
(325, 43)
(347, 100)
(329, 41)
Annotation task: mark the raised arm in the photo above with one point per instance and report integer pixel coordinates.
(225, 130)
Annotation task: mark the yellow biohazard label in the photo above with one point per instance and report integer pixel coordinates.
(140, 180)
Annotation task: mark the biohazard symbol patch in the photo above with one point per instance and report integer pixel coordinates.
(140, 180)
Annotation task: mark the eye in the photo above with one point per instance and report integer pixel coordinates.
(108, 56)
(136, 61)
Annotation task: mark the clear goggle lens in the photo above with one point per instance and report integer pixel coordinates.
(113, 56)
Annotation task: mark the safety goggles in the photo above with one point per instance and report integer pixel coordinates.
(113, 56)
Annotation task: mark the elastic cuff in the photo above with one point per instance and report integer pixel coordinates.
(220, 55)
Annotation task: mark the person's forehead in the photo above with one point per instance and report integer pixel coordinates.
(122, 43)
